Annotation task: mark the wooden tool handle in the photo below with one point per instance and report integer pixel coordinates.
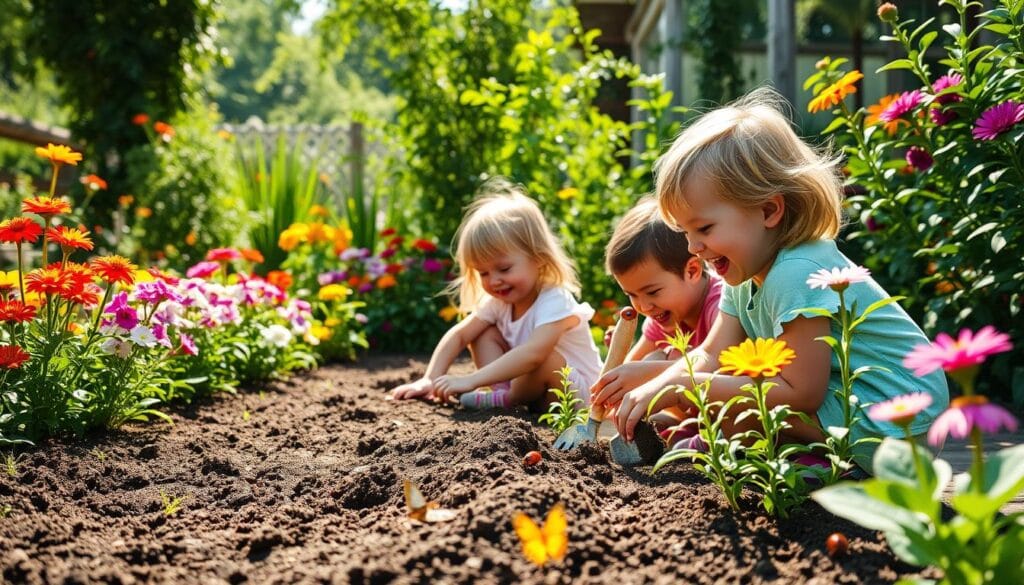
(622, 339)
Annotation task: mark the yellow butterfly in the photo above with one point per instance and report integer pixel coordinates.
(549, 543)
(422, 510)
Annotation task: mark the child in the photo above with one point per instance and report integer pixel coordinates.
(762, 209)
(666, 284)
(517, 284)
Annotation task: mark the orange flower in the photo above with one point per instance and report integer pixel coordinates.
(191, 238)
(15, 311)
(94, 182)
(69, 238)
(875, 110)
(144, 212)
(252, 255)
(45, 206)
(19, 229)
(835, 93)
(59, 154)
(386, 281)
(319, 211)
(125, 200)
(46, 281)
(163, 129)
(12, 357)
(280, 279)
(114, 269)
(140, 119)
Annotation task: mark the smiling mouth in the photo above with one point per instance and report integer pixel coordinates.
(502, 292)
(662, 317)
(720, 264)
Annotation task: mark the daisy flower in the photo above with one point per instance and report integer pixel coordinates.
(998, 119)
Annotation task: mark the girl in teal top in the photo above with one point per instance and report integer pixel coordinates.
(762, 208)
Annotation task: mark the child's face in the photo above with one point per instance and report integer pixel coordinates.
(738, 243)
(511, 277)
(667, 297)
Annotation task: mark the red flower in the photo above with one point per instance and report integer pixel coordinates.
(223, 255)
(163, 129)
(388, 232)
(16, 311)
(94, 182)
(69, 238)
(45, 206)
(46, 281)
(394, 268)
(19, 229)
(280, 279)
(87, 295)
(12, 357)
(395, 241)
(425, 245)
(114, 269)
(140, 119)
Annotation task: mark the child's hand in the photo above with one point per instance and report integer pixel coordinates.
(634, 406)
(447, 387)
(610, 388)
(417, 389)
(608, 335)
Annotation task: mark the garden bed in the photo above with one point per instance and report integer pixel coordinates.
(302, 482)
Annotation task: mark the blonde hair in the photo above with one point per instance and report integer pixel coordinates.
(500, 220)
(642, 236)
(749, 151)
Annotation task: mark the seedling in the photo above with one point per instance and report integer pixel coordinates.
(99, 454)
(5, 510)
(565, 413)
(170, 503)
(246, 415)
(11, 464)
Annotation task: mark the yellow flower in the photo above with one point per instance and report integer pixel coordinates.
(294, 235)
(875, 113)
(334, 292)
(568, 193)
(8, 280)
(342, 238)
(143, 276)
(835, 93)
(59, 154)
(320, 332)
(319, 211)
(76, 329)
(448, 313)
(760, 358)
(332, 322)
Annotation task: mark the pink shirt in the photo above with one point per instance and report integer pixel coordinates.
(659, 335)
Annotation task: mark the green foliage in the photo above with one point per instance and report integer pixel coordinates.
(184, 204)
(113, 59)
(277, 193)
(947, 236)
(507, 88)
(171, 504)
(565, 413)
(718, 26)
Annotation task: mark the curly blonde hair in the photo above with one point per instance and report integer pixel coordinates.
(749, 151)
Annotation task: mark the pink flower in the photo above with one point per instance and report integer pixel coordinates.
(838, 279)
(907, 101)
(966, 413)
(432, 265)
(203, 270)
(942, 116)
(998, 119)
(223, 255)
(919, 158)
(946, 82)
(902, 409)
(969, 349)
(188, 345)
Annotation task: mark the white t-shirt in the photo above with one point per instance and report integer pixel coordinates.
(552, 304)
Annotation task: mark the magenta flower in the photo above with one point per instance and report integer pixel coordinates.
(838, 279)
(188, 345)
(907, 101)
(946, 82)
(942, 116)
(968, 349)
(432, 265)
(966, 413)
(902, 409)
(998, 119)
(919, 158)
(203, 269)
(124, 315)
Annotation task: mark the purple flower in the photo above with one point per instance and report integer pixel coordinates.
(362, 319)
(388, 253)
(160, 333)
(203, 270)
(919, 158)
(432, 265)
(907, 101)
(966, 413)
(155, 292)
(353, 254)
(946, 82)
(872, 224)
(188, 345)
(124, 316)
(365, 287)
(332, 277)
(942, 116)
(998, 119)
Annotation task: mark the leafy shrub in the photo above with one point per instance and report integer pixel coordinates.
(938, 171)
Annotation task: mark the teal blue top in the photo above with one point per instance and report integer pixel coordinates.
(882, 340)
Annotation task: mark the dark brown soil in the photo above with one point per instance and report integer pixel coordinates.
(302, 482)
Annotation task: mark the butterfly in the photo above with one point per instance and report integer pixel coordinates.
(547, 543)
(422, 510)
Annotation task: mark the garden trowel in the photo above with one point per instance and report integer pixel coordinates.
(596, 427)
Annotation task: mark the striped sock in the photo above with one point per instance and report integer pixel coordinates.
(482, 399)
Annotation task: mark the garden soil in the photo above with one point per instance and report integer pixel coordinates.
(301, 482)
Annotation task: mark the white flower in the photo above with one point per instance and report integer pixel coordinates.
(115, 346)
(276, 335)
(142, 335)
(838, 279)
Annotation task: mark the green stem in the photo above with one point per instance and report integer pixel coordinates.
(977, 461)
(21, 271)
(918, 464)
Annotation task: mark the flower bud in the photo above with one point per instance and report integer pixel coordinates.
(887, 12)
(822, 64)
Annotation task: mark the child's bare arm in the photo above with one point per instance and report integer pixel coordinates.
(518, 361)
(642, 349)
(448, 348)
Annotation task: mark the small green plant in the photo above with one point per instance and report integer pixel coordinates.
(171, 504)
(99, 454)
(565, 413)
(246, 415)
(11, 464)
(5, 510)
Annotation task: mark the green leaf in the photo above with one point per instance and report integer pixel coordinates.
(852, 501)
(896, 64)
(1003, 479)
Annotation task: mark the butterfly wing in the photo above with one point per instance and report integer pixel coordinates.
(414, 501)
(531, 537)
(556, 533)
